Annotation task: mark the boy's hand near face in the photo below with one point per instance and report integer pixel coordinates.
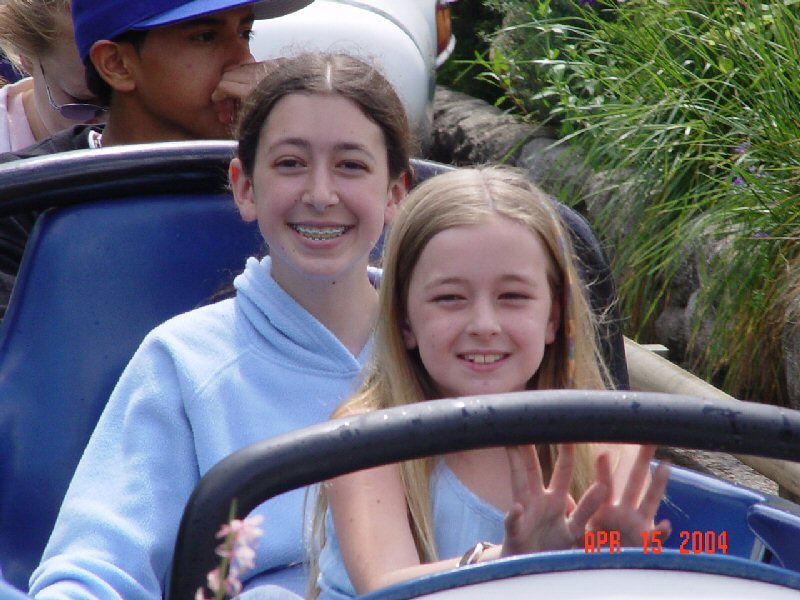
(235, 85)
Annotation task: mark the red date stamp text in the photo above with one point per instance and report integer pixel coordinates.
(689, 542)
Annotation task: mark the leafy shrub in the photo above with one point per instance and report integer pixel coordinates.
(529, 51)
(693, 104)
(473, 22)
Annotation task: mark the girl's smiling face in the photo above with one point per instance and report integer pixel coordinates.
(320, 190)
(480, 308)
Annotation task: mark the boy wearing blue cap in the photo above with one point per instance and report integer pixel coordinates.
(167, 70)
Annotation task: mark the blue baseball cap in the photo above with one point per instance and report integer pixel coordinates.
(106, 19)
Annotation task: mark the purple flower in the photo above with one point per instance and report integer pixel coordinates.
(738, 180)
(588, 2)
(742, 148)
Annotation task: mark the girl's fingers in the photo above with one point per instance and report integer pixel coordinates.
(563, 469)
(597, 494)
(569, 504)
(637, 477)
(602, 470)
(516, 467)
(655, 491)
(664, 528)
(526, 474)
(532, 467)
(512, 520)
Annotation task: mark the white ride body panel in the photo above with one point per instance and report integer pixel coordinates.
(619, 584)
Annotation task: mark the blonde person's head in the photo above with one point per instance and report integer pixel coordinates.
(396, 376)
(467, 197)
(30, 27)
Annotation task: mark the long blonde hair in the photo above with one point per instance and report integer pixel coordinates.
(396, 375)
(30, 27)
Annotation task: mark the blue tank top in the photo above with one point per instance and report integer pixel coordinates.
(460, 520)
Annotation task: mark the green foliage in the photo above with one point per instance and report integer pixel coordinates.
(528, 52)
(696, 103)
(472, 24)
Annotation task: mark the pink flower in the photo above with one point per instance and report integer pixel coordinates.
(232, 584)
(213, 580)
(245, 557)
(241, 540)
(238, 553)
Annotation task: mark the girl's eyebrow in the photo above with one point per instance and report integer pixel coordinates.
(502, 277)
(305, 144)
(454, 280)
(515, 278)
(444, 281)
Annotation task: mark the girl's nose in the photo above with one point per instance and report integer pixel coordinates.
(483, 319)
(320, 193)
(320, 201)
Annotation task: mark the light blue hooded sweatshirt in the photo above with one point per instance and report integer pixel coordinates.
(200, 386)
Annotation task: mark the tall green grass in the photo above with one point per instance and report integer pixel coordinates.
(694, 105)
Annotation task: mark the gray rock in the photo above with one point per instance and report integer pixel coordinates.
(720, 465)
(468, 131)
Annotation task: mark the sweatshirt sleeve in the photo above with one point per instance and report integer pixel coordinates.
(115, 532)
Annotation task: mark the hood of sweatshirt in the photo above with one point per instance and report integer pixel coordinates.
(285, 324)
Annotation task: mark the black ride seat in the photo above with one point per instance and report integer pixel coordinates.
(140, 233)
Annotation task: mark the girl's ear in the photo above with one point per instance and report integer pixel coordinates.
(113, 63)
(554, 321)
(409, 338)
(398, 189)
(242, 187)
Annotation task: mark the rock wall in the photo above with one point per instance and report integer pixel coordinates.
(470, 131)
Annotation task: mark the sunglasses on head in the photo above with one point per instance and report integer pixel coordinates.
(74, 111)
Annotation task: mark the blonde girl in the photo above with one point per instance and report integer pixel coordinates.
(479, 295)
(37, 37)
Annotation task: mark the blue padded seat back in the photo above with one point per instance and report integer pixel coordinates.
(95, 279)
(756, 525)
(778, 529)
(694, 500)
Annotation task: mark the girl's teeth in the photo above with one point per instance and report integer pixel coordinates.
(319, 233)
(483, 358)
